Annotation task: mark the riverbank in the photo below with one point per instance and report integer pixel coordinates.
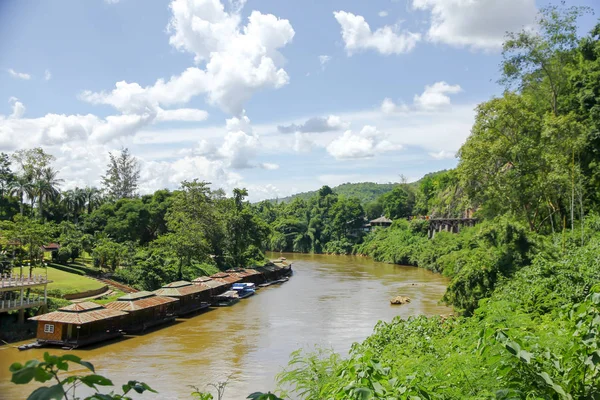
(332, 302)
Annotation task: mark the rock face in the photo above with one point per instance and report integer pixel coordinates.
(400, 300)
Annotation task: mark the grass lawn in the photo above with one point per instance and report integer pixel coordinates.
(64, 281)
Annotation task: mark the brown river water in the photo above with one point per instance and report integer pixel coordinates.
(330, 301)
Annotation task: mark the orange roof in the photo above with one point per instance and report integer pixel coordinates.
(139, 301)
(79, 314)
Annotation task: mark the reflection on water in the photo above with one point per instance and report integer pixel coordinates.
(331, 301)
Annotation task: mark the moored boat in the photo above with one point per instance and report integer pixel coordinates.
(226, 299)
(244, 289)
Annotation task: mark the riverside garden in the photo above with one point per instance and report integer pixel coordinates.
(525, 280)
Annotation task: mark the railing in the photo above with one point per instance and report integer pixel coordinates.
(14, 280)
(17, 304)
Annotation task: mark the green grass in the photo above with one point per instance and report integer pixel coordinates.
(109, 299)
(65, 282)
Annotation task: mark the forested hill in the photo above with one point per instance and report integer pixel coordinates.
(366, 192)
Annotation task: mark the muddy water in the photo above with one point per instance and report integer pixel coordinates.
(330, 301)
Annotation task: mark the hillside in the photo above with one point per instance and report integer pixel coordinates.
(365, 191)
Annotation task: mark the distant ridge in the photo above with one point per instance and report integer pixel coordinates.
(366, 192)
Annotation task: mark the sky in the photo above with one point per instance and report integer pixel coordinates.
(275, 96)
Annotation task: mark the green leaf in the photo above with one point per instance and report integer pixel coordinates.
(546, 378)
(513, 347)
(41, 375)
(14, 367)
(92, 380)
(54, 392)
(363, 393)
(25, 374)
(525, 356)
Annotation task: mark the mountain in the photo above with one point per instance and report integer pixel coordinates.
(365, 191)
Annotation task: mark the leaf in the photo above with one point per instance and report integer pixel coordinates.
(525, 356)
(92, 380)
(513, 347)
(54, 392)
(25, 374)
(363, 393)
(14, 367)
(379, 390)
(546, 378)
(77, 360)
(41, 375)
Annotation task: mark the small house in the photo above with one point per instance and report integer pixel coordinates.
(79, 324)
(211, 287)
(226, 278)
(381, 221)
(191, 297)
(144, 310)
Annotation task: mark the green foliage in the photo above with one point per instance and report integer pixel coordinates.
(50, 369)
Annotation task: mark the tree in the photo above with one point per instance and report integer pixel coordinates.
(92, 198)
(46, 187)
(399, 202)
(122, 176)
(6, 174)
(20, 186)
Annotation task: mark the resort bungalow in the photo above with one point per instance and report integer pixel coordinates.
(144, 310)
(211, 287)
(246, 275)
(79, 324)
(226, 278)
(382, 222)
(190, 296)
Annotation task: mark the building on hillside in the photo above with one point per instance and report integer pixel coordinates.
(144, 310)
(21, 292)
(381, 221)
(191, 297)
(79, 324)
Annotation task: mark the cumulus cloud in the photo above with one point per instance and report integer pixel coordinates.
(302, 143)
(240, 144)
(239, 59)
(47, 75)
(357, 36)
(479, 25)
(382, 13)
(18, 109)
(436, 96)
(269, 166)
(389, 107)
(315, 125)
(19, 75)
(364, 144)
(181, 114)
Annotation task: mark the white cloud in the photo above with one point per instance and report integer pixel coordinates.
(382, 13)
(47, 75)
(389, 107)
(364, 144)
(443, 155)
(357, 35)
(436, 96)
(240, 145)
(240, 60)
(182, 114)
(269, 166)
(19, 75)
(302, 143)
(18, 109)
(323, 60)
(479, 25)
(315, 124)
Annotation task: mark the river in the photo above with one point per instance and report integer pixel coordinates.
(330, 301)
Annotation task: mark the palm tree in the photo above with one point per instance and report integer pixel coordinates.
(47, 187)
(19, 187)
(74, 202)
(93, 198)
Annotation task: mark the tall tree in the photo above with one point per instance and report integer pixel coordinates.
(92, 198)
(122, 175)
(6, 174)
(20, 186)
(46, 187)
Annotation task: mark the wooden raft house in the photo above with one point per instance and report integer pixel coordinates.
(226, 278)
(144, 310)
(79, 324)
(191, 297)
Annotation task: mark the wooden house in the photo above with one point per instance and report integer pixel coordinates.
(211, 287)
(191, 297)
(144, 310)
(79, 324)
(381, 221)
(226, 278)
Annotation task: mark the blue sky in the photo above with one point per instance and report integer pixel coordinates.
(276, 96)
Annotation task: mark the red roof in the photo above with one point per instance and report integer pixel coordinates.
(79, 314)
